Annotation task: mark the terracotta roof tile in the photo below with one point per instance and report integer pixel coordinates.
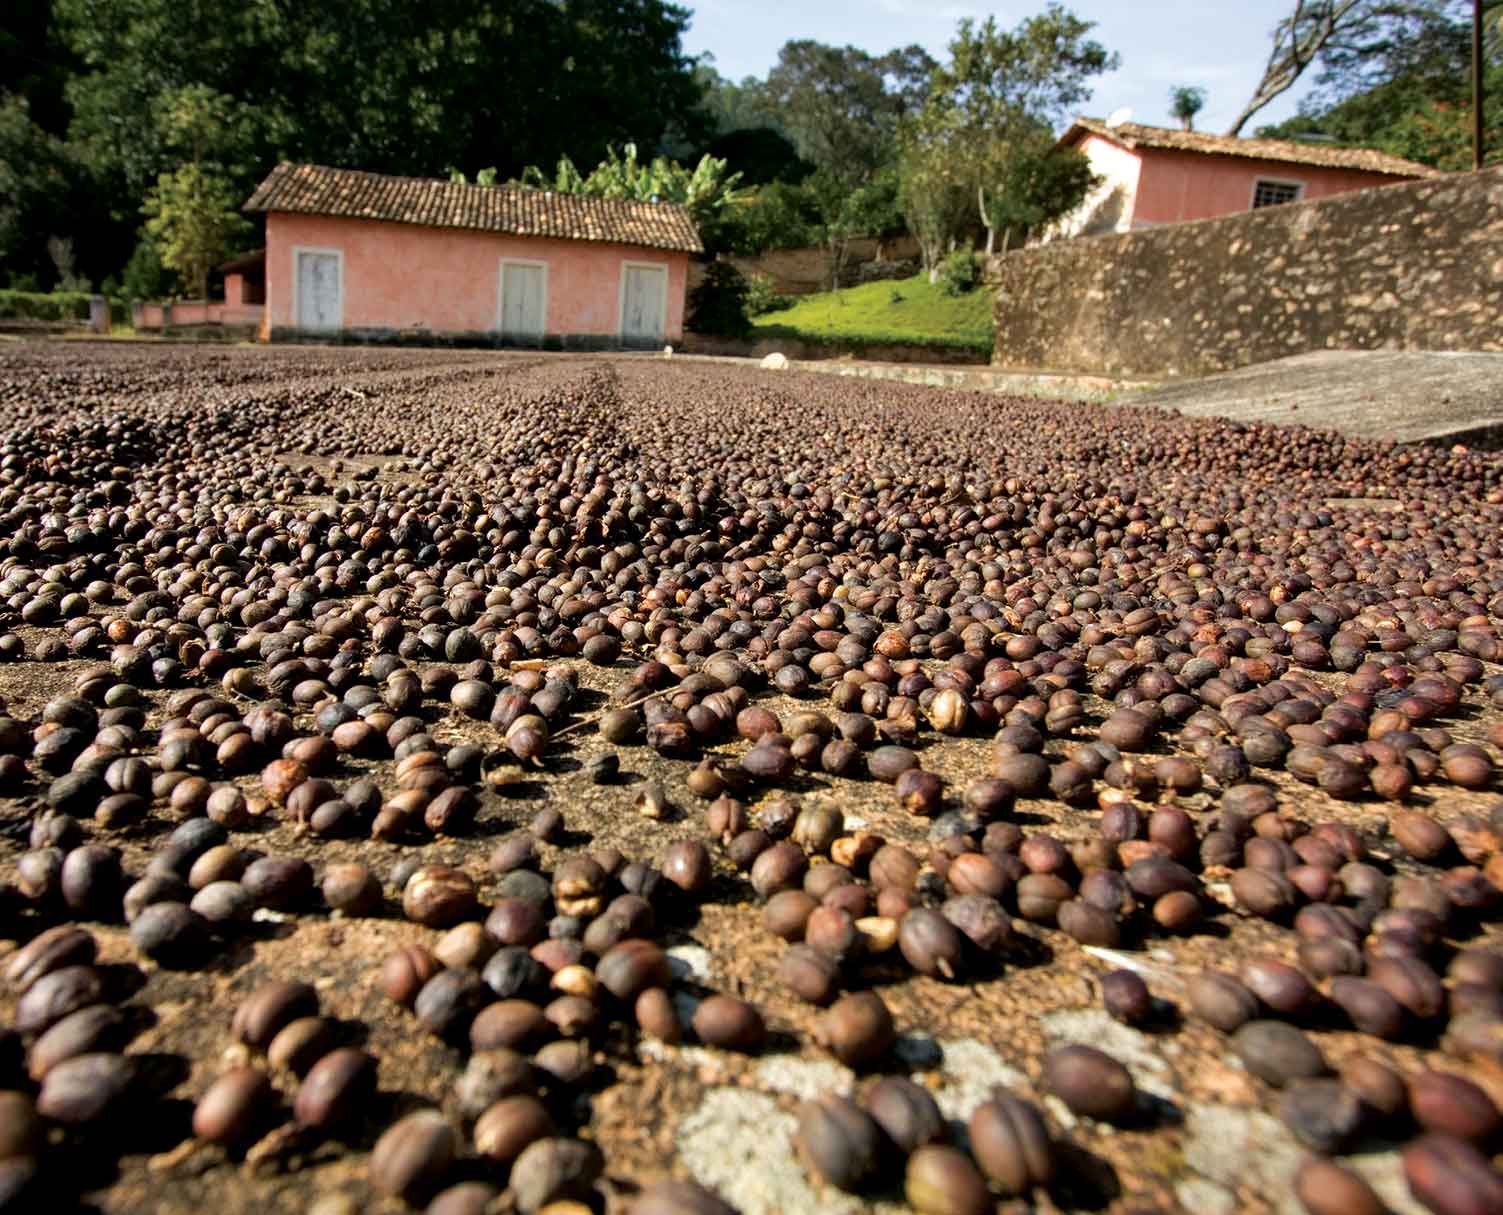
(1136, 135)
(434, 203)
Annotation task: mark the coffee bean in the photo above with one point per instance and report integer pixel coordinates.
(1091, 1083)
(809, 974)
(1326, 1188)
(300, 1044)
(1125, 997)
(906, 1113)
(88, 1088)
(838, 1142)
(171, 934)
(52, 949)
(1450, 1176)
(930, 943)
(439, 897)
(1221, 1001)
(1453, 1105)
(1324, 1115)
(271, 1006)
(509, 1125)
(942, 1181)
(99, 1027)
(232, 1108)
(630, 967)
(413, 1155)
(1277, 1053)
(554, 1170)
(55, 995)
(336, 1090)
(729, 1023)
(1012, 1145)
(404, 973)
(857, 1029)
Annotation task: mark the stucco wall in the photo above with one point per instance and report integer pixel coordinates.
(404, 280)
(1175, 186)
(1108, 207)
(1417, 266)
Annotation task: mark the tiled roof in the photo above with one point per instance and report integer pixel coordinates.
(316, 190)
(1135, 135)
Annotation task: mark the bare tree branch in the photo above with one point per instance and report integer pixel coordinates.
(1297, 42)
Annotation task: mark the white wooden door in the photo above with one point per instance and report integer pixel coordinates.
(522, 302)
(319, 291)
(644, 305)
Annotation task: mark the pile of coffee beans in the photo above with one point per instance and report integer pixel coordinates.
(475, 685)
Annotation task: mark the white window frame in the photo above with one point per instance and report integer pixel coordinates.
(501, 290)
(630, 264)
(297, 307)
(1298, 186)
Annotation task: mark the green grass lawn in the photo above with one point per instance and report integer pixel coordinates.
(902, 310)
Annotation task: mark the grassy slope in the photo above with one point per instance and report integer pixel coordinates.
(923, 314)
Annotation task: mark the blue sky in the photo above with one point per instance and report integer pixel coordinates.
(1220, 45)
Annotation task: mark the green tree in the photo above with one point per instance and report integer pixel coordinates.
(1001, 93)
(934, 184)
(841, 106)
(1411, 98)
(192, 218)
(1186, 101)
(717, 303)
(35, 178)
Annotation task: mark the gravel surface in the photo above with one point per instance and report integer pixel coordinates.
(278, 494)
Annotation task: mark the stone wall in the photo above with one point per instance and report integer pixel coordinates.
(1417, 266)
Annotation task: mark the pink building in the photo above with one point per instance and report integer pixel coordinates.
(1154, 175)
(369, 257)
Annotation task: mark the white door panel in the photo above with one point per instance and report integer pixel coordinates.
(523, 297)
(644, 305)
(318, 291)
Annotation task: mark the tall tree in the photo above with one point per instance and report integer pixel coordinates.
(1358, 33)
(841, 106)
(1002, 92)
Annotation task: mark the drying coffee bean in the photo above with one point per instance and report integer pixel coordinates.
(412, 1156)
(336, 1090)
(1324, 1115)
(1221, 1001)
(941, 1180)
(1278, 1053)
(232, 1108)
(1125, 997)
(1012, 1145)
(554, 1170)
(49, 950)
(99, 1027)
(509, 1125)
(838, 1142)
(1450, 1176)
(1091, 1083)
(55, 995)
(857, 1029)
(1452, 1105)
(730, 1023)
(171, 934)
(271, 1006)
(809, 974)
(88, 1088)
(439, 896)
(1326, 1188)
(906, 1113)
(930, 943)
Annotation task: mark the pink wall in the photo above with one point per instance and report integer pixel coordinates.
(405, 277)
(1175, 186)
(148, 315)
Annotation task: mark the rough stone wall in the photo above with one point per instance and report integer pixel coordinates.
(1417, 266)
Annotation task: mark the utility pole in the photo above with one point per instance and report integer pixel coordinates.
(1476, 84)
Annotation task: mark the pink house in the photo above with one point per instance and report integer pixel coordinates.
(366, 257)
(1155, 175)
